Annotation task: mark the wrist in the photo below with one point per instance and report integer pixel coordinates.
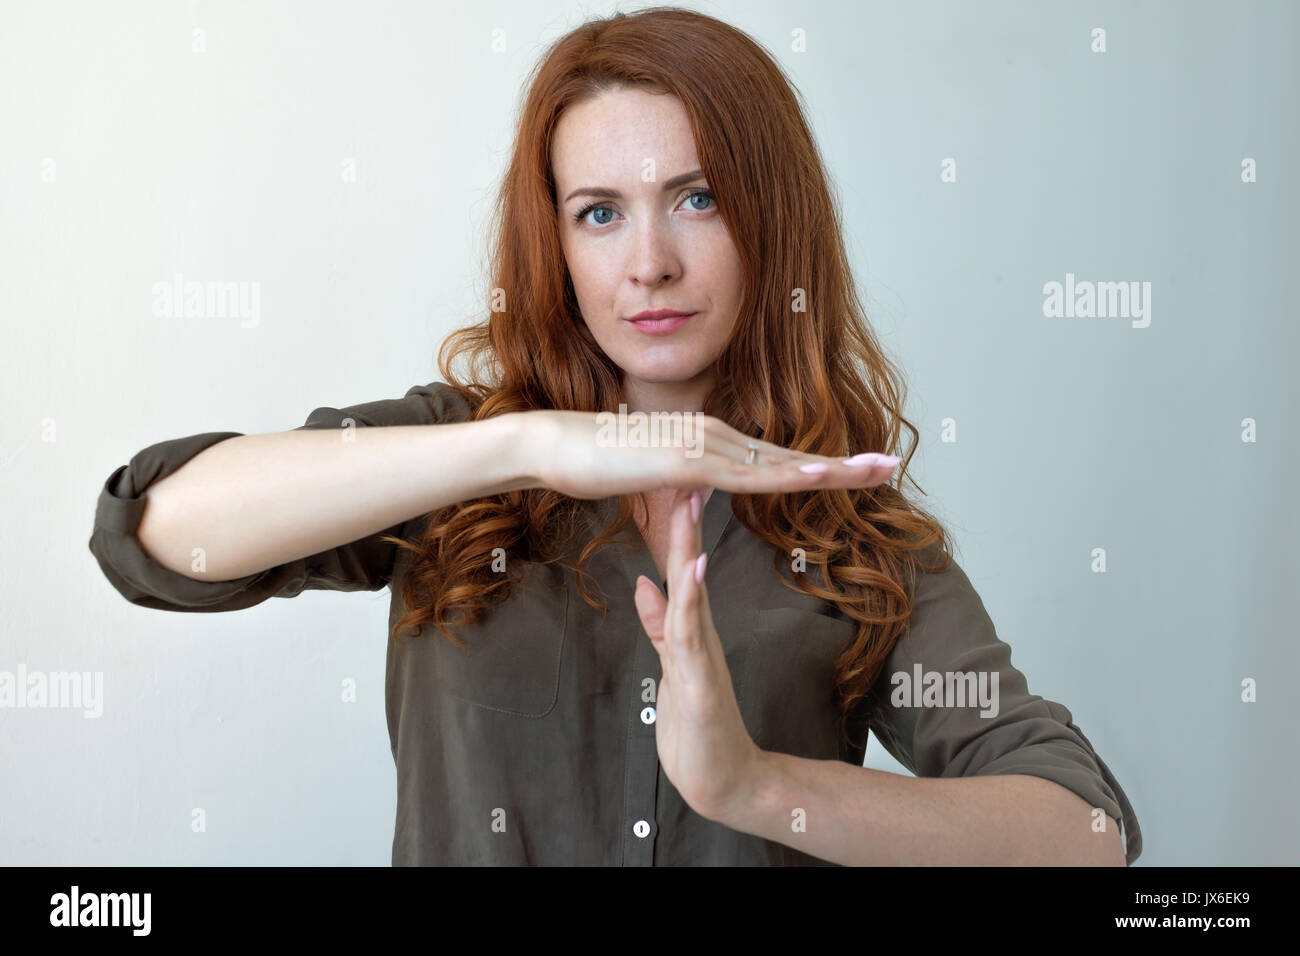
(522, 441)
(751, 805)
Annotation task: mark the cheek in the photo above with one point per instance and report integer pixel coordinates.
(586, 273)
(723, 263)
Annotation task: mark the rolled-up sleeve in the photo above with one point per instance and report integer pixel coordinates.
(944, 735)
(365, 564)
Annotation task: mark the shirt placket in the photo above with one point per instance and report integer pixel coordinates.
(642, 759)
(640, 801)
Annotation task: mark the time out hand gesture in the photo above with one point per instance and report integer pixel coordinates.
(703, 745)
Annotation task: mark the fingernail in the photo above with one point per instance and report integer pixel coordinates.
(695, 506)
(700, 562)
(814, 467)
(872, 458)
(866, 458)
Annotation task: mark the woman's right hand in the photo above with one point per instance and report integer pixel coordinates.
(578, 455)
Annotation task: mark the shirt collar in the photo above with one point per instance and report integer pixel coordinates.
(633, 557)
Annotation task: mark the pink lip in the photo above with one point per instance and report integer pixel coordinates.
(659, 321)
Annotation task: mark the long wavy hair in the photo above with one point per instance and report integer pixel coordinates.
(816, 380)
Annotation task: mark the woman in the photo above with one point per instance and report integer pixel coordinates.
(666, 249)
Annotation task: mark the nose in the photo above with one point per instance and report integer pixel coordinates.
(653, 257)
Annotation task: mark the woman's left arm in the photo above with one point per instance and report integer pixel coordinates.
(1002, 776)
(858, 816)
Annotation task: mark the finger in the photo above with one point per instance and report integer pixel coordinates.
(718, 440)
(683, 550)
(688, 632)
(704, 650)
(698, 594)
(755, 479)
(697, 653)
(680, 536)
(735, 445)
(701, 561)
(862, 470)
(697, 520)
(652, 607)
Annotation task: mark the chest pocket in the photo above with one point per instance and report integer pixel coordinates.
(787, 686)
(510, 658)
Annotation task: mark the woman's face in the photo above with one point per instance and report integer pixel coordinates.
(641, 231)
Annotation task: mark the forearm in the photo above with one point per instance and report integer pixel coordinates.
(862, 817)
(257, 501)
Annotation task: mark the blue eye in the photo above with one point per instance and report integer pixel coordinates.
(582, 213)
(704, 193)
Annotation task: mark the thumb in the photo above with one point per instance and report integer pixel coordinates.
(652, 607)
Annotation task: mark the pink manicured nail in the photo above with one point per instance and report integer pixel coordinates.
(700, 562)
(695, 506)
(814, 467)
(872, 458)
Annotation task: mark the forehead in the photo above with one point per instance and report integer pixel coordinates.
(607, 139)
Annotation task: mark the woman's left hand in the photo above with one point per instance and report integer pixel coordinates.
(703, 745)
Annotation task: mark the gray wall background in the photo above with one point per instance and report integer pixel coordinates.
(129, 157)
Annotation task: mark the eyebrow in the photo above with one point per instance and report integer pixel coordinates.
(605, 193)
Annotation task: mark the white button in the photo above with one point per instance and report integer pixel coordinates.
(641, 828)
(648, 715)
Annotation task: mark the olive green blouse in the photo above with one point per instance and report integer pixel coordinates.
(535, 743)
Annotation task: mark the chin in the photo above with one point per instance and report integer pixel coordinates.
(661, 374)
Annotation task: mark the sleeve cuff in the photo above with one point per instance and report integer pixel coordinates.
(123, 560)
(1079, 769)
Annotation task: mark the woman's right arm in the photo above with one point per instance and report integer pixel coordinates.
(254, 502)
(345, 470)
(221, 521)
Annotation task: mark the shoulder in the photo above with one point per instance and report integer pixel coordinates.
(446, 403)
(432, 404)
(946, 608)
(933, 572)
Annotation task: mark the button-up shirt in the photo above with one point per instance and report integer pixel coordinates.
(535, 742)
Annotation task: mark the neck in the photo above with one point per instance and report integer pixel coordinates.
(683, 396)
